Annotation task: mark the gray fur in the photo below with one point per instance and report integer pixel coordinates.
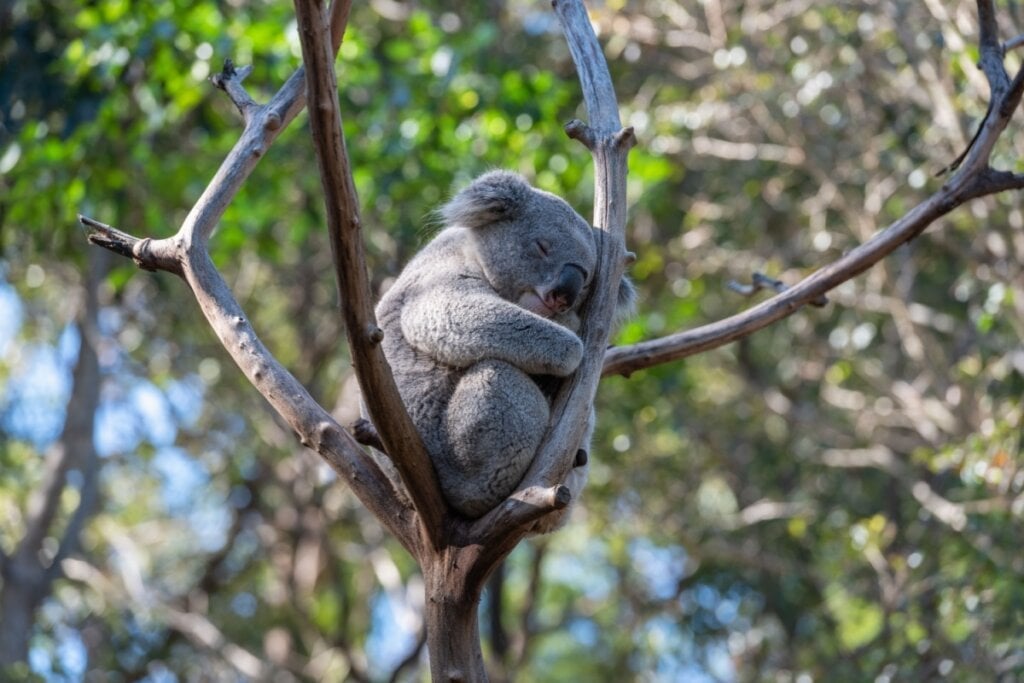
(479, 329)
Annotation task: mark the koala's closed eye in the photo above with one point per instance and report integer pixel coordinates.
(586, 273)
(543, 247)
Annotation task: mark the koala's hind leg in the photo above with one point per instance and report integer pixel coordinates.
(495, 422)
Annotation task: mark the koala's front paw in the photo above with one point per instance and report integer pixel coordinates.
(563, 359)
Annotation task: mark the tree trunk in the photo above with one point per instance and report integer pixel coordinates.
(18, 601)
(27, 581)
(452, 606)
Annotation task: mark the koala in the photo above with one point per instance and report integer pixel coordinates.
(480, 329)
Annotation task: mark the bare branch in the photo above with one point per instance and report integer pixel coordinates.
(975, 178)
(185, 254)
(263, 125)
(587, 55)
(230, 81)
(1003, 97)
(139, 250)
(314, 425)
(628, 359)
(397, 432)
(261, 129)
(520, 509)
(991, 61)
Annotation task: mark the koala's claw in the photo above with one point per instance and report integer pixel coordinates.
(581, 458)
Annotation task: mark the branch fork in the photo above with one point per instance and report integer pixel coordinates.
(230, 81)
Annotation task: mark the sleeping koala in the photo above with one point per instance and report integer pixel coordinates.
(479, 329)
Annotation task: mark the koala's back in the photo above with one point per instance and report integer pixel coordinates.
(424, 384)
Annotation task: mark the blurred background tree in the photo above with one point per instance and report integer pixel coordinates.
(839, 495)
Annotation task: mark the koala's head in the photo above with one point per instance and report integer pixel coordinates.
(532, 247)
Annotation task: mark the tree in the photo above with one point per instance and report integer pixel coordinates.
(710, 547)
(457, 558)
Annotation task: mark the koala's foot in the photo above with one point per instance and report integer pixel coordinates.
(495, 423)
(366, 434)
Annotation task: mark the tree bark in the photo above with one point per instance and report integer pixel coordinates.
(451, 617)
(18, 602)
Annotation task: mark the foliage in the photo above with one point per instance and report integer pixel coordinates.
(839, 495)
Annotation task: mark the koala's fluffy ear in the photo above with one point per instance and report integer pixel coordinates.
(494, 196)
(625, 303)
(625, 306)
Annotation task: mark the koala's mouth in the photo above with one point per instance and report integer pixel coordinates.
(535, 304)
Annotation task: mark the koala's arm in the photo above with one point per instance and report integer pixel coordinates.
(459, 328)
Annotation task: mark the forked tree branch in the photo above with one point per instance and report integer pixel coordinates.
(185, 254)
(395, 428)
(974, 178)
(609, 144)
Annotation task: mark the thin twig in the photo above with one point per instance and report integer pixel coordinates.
(1013, 43)
(112, 239)
(230, 81)
(760, 281)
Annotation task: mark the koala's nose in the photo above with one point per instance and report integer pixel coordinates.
(566, 291)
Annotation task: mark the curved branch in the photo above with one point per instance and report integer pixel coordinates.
(312, 423)
(314, 426)
(397, 432)
(624, 360)
(975, 178)
(185, 254)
